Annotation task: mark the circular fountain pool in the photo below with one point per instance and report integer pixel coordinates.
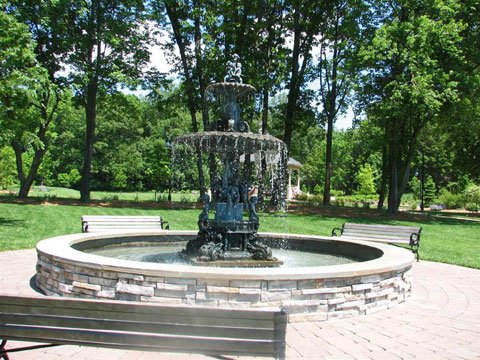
(364, 277)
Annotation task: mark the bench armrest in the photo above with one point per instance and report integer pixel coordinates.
(334, 231)
(84, 226)
(415, 243)
(166, 224)
(414, 239)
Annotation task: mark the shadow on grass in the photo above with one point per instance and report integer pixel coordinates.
(140, 205)
(11, 222)
(372, 216)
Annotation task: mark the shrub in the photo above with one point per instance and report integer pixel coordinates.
(302, 196)
(472, 207)
(451, 200)
(429, 191)
(70, 179)
(472, 197)
(317, 189)
(336, 193)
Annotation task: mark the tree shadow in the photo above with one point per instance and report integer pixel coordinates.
(11, 222)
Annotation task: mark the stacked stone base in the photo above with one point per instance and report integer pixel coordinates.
(304, 299)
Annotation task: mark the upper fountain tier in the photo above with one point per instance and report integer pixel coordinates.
(230, 136)
(226, 89)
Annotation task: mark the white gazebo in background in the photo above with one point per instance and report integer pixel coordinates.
(291, 166)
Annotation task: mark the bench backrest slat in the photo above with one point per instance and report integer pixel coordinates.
(132, 307)
(249, 331)
(198, 320)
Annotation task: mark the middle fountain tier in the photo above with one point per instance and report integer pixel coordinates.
(230, 238)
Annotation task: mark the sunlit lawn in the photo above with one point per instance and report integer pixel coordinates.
(443, 239)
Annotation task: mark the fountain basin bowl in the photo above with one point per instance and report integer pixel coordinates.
(242, 143)
(380, 279)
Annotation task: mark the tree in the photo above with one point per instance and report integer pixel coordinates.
(366, 181)
(119, 160)
(28, 100)
(104, 44)
(341, 35)
(303, 26)
(408, 79)
(180, 16)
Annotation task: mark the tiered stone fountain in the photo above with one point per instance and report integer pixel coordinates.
(229, 239)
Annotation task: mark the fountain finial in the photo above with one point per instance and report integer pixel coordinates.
(234, 70)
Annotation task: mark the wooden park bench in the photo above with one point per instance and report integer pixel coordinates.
(384, 233)
(102, 223)
(141, 326)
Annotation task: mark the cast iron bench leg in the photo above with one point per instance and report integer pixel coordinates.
(4, 353)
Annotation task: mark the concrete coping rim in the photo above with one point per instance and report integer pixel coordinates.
(60, 250)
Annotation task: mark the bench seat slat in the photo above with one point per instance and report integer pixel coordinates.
(395, 241)
(385, 235)
(97, 338)
(388, 237)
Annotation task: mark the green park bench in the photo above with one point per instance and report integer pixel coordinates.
(383, 233)
(102, 223)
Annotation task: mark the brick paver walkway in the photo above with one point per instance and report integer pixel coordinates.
(441, 320)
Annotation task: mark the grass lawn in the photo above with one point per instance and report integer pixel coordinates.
(453, 241)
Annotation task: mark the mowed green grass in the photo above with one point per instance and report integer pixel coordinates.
(446, 240)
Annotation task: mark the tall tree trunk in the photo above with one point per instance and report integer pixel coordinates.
(26, 180)
(91, 114)
(383, 181)
(17, 148)
(302, 44)
(293, 91)
(393, 163)
(328, 163)
(263, 160)
(94, 61)
(331, 112)
(177, 31)
(212, 165)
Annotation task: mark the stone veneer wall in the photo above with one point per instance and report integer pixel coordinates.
(311, 299)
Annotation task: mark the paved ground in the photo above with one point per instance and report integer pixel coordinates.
(441, 320)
